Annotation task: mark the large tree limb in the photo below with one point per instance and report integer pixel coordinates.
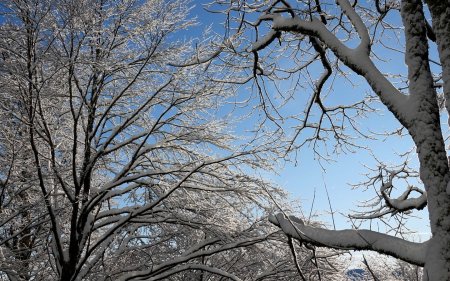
(440, 11)
(352, 239)
(419, 73)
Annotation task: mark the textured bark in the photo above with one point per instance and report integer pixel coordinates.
(426, 130)
(440, 12)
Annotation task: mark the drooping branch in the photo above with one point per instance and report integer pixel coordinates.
(190, 254)
(192, 266)
(353, 239)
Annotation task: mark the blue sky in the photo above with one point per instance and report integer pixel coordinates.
(305, 178)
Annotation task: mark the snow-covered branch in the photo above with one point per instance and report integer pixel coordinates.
(189, 255)
(352, 239)
(389, 179)
(403, 203)
(189, 266)
(356, 59)
(358, 24)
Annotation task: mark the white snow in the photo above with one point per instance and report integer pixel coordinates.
(353, 239)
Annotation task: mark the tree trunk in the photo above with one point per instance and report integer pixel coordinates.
(433, 159)
(68, 271)
(434, 174)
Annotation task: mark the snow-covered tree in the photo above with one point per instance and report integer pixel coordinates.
(397, 270)
(117, 154)
(281, 40)
(111, 155)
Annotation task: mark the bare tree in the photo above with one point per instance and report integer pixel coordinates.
(275, 41)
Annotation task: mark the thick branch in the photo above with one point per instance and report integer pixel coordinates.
(403, 203)
(440, 13)
(416, 58)
(356, 59)
(358, 24)
(353, 239)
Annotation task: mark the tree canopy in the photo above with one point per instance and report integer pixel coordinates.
(131, 150)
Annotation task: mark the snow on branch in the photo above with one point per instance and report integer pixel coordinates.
(403, 203)
(357, 23)
(204, 54)
(179, 264)
(200, 59)
(352, 239)
(356, 59)
(191, 266)
(419, 72)
(385, 181)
